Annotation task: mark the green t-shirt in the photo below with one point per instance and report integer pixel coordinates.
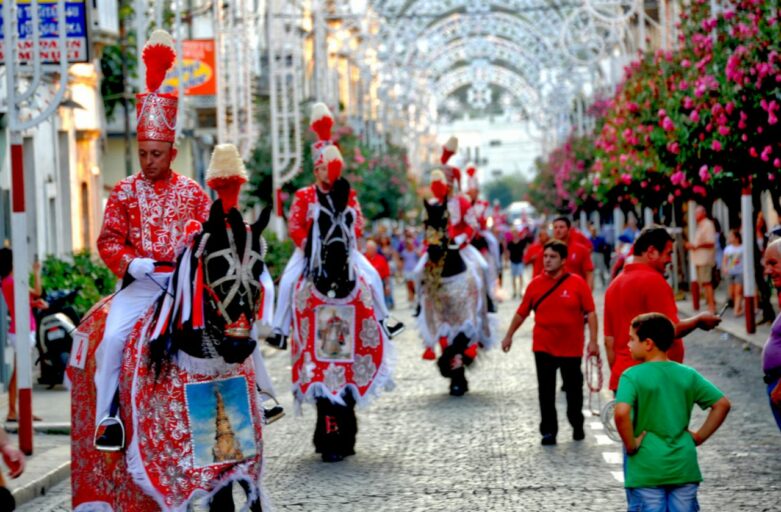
(662, 395)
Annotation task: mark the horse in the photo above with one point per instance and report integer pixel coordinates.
(187, 387)
(341, 355)
(454, 310)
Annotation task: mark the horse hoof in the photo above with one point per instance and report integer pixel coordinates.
(332, 457)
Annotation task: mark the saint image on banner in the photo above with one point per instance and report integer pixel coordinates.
(335, 334)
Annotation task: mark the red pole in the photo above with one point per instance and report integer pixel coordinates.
(749, 285)
(21, 297)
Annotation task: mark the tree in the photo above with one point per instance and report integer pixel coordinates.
(506, 189)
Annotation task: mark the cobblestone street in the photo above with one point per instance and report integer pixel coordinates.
(422, 450)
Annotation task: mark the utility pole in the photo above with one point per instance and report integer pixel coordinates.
(14, 72)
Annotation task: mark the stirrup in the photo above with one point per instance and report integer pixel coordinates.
(280, 412)
(107, 422)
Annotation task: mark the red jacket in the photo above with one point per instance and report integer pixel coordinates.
(299, 222)
(146, 219)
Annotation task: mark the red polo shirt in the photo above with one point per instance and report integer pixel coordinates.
(558, 321)
(638, 289)
(578, 259)
(380, 264)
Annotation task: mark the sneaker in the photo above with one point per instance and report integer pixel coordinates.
(578, 434)
(110, 435)
(278, 340)
(548, 440)
(273, 414)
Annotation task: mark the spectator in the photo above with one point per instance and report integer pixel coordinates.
(7, 285)
(409, 256)
(621, 257)
(703, 250)
(630, 230)
(598, 249)
(560, 300)
(579, 255)
(771, 353)
(641, 288)
(380, 264)
(516, 246)
(653, 410)
(732, 269)
(533, 255)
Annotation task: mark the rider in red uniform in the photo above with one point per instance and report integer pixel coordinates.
(143, 224)
(327, 168)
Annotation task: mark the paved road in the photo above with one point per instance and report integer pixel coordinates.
(421, 450)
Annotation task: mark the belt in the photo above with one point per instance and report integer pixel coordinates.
(772, 375)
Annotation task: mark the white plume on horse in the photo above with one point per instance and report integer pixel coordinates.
(160, 37)
(226, 163)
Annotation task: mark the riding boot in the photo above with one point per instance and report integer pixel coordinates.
(110, 432)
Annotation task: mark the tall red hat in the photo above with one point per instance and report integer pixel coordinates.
(226, 174)
(448, 150)
(321, 122)
(156, 112)
(471, 181)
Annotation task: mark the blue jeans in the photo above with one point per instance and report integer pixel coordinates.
(773, 407)
(668, 498)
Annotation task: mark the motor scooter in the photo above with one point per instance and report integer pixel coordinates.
(54, 335)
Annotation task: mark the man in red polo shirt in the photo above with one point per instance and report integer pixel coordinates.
(559, 300)
(578, 255)
(641, 288)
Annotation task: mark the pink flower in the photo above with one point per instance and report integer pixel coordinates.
(697, 189)
(685, 63)
(715, 145)
(688, 102)
(643, 184)
(626, 179)
(704, 173)
(753, 152)
(724, 130)
(744, 137)
(717, 170)
(695, 116)
(668, 124)
(766, 153)
(777, 163)
(771, 177)
(674, 147)
(677, 178)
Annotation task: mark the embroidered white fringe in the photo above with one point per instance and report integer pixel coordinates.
(94, 506)
(136, 467)
(383, 381)
(472, 328)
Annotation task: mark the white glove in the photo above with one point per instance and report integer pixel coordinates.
(459, 239)
(140, 267)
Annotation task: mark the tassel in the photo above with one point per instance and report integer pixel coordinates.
(429, 354)
(443, 342)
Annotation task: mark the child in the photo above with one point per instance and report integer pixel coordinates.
(732, 269)
(653, 410)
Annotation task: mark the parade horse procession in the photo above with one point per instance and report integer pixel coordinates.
(170, 393)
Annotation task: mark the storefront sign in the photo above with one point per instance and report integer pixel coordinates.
(198, 69)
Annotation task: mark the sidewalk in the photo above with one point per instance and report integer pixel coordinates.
(730, 324)
(50, 462)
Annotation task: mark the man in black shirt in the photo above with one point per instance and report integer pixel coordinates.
(516, 246)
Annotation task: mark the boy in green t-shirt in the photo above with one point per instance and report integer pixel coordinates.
(653, 409)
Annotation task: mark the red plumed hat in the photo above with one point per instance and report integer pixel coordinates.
(156, 112)
(448, 150)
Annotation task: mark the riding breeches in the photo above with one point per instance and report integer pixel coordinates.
(293, 271)
(127, 306)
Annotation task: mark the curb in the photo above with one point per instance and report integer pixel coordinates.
(56, 428)
(40, 486)
(737, 331)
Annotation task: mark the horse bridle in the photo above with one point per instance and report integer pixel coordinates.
(338, 220)
(241, 281)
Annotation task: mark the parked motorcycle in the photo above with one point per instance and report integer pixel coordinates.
(56, 325)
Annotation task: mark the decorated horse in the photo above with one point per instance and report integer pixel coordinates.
(453, 313)
(188, 388)
(341, 355)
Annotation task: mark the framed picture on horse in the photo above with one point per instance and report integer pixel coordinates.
(335, 334)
